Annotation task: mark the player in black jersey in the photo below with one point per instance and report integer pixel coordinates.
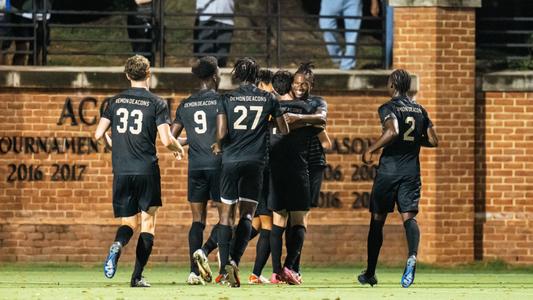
(406, 128)
(242, 126)
(291, 193)
(262, 221)
(136, 116)
(197, 115)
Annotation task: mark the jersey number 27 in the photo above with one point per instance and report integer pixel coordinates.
(238, 124)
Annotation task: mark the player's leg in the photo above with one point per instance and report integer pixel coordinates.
(408, 199)
(262, 249)
(144, 246)
(279, 222)
(122, 237)
(196, 234)
(298, 221)
(256, 226)
(214, 186)
(384, 193)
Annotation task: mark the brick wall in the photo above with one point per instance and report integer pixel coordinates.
(71, 220)
(504, 185)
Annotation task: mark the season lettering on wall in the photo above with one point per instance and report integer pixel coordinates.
(357, 172)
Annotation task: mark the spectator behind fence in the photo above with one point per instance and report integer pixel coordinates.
(21, 14)
(344, 58)
(5, 32)
(143, 30)
(213, 33)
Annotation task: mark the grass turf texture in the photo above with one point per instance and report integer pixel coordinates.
(23, 281)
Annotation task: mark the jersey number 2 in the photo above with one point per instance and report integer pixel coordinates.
(137, 116)
(244, 113)
(406, 135)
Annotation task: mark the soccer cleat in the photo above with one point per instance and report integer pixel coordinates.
(194, 279)
(233, 274)
(290, 276)
(276, 279)
(222, 279)
(111, 262)
(203, 265)
(139, 282)
(363, 279)
(254, 279)
(409, 272)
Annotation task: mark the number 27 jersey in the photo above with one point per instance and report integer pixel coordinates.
(401, 157)
(135, 115)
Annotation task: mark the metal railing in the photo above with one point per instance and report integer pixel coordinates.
(270, 35)
(504, 42)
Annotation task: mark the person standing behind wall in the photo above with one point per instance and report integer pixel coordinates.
(143, 29)
(212, 35)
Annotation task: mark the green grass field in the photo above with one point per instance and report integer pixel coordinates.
(75, 282)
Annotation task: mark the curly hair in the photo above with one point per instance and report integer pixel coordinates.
(205, 67)
(245, 70)
(137, 67)
(401, 81)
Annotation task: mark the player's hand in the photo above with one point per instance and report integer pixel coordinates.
(177, 150)
(367, 157)
(216, 149)
(374, 8)
(291, 118)
(108, 140)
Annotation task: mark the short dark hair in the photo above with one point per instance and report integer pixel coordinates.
(245, 70)
(137, 67)
(282, 81)
(205, 67)
(306, 69)
(264, 76)
(401, 81)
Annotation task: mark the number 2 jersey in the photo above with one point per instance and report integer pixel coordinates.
(198, 115)
(135, 114)
(247, 109)
(401, 156)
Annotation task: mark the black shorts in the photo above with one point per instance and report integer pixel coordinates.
(241, 181)
(204, 185)
(290, 189)
(135, 193)
(316, 175)
(262, 205)
(390, 189)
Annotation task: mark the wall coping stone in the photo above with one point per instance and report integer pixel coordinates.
(173, 79)
(507, 81)
(435, 3)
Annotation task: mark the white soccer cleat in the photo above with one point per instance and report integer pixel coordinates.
(195, 279)
(203, 265)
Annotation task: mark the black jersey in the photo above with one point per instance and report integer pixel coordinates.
(198, 115)
(135, 115)
(316, 155)
(401, 156)
(247, 110)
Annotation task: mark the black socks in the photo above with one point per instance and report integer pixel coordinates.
(211, 243)
(196, 235)
(224, 238)
(297, 240)
(124, 234)
(276, 245)
(413, 235)
(144, 249)
(374, 242)
(254, 233)
(262, 251)
(242, 236)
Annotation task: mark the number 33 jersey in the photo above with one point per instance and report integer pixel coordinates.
(247, 111)
(198, 115)
(135, 115)
(401, 156)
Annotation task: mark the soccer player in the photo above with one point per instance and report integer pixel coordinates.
(136, 116)
(291, 191)
(406, 128)
(242, 126)
(197, 115)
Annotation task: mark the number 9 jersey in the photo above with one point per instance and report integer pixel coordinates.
(401, 156)
(135, 114)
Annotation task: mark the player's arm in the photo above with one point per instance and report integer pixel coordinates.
(431, 139)
(390, 133)
(169, 141)
(318, 118)
(100, 132)
(176, 130)
(324, 140)
(222, 131)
